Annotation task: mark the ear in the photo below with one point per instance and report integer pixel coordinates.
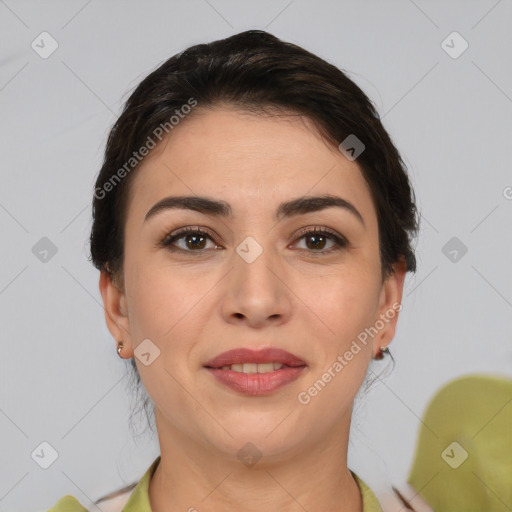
(390, 304)
(116, 312)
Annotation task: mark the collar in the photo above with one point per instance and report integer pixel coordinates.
(139, 498)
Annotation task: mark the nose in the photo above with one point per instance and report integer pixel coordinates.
(256, 292)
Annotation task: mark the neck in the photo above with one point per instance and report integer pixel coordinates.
(192, 477)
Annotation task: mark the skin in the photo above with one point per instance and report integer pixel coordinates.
(293, 296)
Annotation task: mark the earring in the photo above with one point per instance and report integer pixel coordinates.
(119, 348)
(383, 351)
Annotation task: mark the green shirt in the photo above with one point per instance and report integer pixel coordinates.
(139, 499)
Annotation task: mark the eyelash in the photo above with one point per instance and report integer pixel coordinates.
(340, 242)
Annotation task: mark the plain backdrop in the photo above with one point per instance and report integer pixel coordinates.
(449, 112)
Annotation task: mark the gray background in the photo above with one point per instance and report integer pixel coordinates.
(61, 379)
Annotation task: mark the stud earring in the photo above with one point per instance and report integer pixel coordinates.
(119, 348)
(382, 352)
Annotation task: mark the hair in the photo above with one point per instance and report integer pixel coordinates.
(256, 72)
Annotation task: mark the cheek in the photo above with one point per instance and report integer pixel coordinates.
(155, 303)
(168, 306)
(347, 303)
(160, 296)
(163, 311)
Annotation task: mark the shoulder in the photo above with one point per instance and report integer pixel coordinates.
(392, 500)
(131, 498)
(69, 503)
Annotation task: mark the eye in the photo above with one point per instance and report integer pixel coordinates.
(316, 238)
(195, 240)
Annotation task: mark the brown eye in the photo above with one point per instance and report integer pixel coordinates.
(194, 240)
(316, 240)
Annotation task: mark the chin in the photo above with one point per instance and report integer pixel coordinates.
(251, 441)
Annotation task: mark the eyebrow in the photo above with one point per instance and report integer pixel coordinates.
(220, 208)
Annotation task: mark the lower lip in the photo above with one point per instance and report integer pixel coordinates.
(257, 384)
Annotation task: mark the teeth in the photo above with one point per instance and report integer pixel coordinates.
(254, 367)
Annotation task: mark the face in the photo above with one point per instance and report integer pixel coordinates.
(254, 277)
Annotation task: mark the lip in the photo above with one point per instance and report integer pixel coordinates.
(257, 384)
(245, 355)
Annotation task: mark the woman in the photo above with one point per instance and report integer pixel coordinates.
(252, 225)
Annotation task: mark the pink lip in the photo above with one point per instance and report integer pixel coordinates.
(257, 384)
(244, 355)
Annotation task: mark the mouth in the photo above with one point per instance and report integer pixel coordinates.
(256, 373)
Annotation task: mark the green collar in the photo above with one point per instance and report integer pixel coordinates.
(370, 501)
(139, 499)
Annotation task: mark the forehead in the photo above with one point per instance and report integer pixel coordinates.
(245, 159)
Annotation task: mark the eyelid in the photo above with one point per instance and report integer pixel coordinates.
(319, 229)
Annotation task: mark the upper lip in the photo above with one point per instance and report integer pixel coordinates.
(245, 355)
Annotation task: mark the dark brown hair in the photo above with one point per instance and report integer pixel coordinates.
(258, 72)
